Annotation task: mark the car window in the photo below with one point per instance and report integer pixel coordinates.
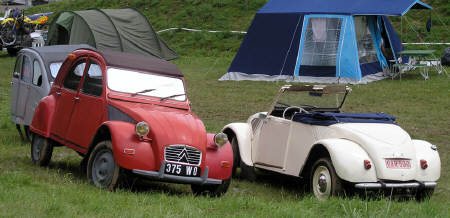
(54, 68)
(37, 73)
(74, 76)
(18, 67)
(93, 81)
(27, 70)
(143, 83)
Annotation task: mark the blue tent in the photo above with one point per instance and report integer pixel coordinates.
(320, 41)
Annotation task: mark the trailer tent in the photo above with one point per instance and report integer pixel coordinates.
(320, 41)
(125, 30)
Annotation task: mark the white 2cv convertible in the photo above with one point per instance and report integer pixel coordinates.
(332, 150)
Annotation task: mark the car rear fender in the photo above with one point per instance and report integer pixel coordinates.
(348, 160)
(130, 152)
(219, 160)
(424, 151)
(243, 135)
(43, 116)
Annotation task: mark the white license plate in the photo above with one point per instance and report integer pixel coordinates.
(182, 170)
(398, 164)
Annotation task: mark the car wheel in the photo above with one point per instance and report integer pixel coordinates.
(211, 190)
(424, 194)
(102, 169)
(324, 181)
(41, 150)
(236, 155)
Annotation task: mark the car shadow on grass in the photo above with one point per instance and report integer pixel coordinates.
(130, 182)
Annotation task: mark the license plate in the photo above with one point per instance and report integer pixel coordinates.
(398, 164)
(182, 170)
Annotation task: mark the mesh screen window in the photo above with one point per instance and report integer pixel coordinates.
(321, 42)
(366, 49)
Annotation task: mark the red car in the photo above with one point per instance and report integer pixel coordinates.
(129, 114)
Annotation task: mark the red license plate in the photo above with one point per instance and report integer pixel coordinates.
(398, 164)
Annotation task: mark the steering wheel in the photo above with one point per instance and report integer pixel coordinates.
(292, 108)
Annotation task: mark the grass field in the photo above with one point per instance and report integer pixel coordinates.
(421, 107)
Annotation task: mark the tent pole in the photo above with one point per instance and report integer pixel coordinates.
(401, 29)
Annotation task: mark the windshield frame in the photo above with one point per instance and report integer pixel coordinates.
(314, 89)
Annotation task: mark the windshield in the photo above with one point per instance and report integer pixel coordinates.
(312, 98)
(147, 84)
(54, 68)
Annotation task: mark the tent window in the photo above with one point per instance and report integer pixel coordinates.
(366, 49)
(321, 41)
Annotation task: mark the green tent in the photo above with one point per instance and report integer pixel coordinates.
(125, 30)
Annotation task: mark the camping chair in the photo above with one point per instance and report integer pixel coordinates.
(398, 68)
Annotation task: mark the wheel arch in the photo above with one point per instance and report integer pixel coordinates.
(241, 131)
(347, 158)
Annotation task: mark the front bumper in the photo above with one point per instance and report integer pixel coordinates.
(382, 185)
(161, 176)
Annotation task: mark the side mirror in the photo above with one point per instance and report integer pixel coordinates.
(16, 75)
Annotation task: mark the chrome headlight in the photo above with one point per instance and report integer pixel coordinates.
(142, 129)
(220, 139)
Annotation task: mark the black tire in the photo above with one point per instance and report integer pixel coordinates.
(211, 190)
(324, 181)
(236, 155)
(102, 170)
(41, 150)
(424, 194)
(247, 172)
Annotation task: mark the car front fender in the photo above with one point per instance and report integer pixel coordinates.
(425, 152)
(348, 160)
(43, 116)
(219, 160)
(243, 135)
(129, 151)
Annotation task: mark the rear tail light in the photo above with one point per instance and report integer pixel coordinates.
(423, 164)
(367, 164)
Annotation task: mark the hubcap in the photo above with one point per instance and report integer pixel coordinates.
(321, 183)
(103, 169)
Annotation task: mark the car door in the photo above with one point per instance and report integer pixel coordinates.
(66, 98)
(271, 143)
(15, 83)
(26, 75)
(88, 112)
(35, 91)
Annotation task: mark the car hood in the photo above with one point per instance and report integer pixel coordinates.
(381, 142)
(168, 126)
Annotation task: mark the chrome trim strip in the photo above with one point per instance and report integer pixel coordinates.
(159, 175)
(378, 185)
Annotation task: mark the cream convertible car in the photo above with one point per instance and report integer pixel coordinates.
(333, 150)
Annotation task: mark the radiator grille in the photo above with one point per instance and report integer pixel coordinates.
(183, 154)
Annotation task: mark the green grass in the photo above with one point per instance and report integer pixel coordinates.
(420, 106)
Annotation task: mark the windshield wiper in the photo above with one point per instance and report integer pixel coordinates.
(143, 91)
(171, 96)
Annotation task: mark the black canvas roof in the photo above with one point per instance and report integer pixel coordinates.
(138, 62)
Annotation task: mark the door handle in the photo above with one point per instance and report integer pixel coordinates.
(76, 98)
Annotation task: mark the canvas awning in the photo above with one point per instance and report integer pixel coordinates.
(351, 7)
